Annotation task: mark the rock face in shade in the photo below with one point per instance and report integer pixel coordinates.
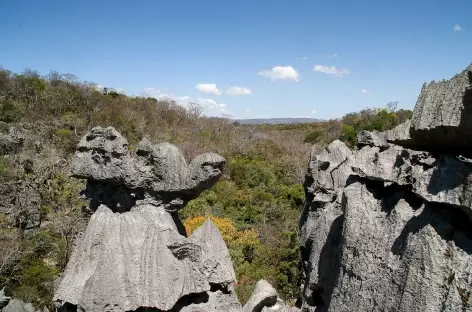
(388, 227)
(134, 254)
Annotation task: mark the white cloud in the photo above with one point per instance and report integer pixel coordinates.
(248, 110)
(152, 92)
(340, 72)
(280, 73)
(208, 88)
(458, 27)
(364, 91)
(235, 90)
(269, 108)
(304, 58)
(333, 56)
(208, 105)
(101, 88)
(313, 112)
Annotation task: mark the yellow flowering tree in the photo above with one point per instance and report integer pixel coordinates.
(231, 235)
(243, 246)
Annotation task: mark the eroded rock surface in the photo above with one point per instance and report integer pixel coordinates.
(265, 298)
(388, 227)
(134, 254)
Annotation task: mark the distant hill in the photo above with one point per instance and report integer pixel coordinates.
(275, 121)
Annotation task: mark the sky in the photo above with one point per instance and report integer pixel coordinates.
(246, 59)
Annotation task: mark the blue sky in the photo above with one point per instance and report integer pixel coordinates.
(246, 58)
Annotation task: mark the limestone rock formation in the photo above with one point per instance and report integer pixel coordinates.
(265, 298)
(441, 119)
(134, 254)
(388, 227)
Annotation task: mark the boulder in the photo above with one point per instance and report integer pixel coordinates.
(134, 254)
(265, 298)
(264, 295)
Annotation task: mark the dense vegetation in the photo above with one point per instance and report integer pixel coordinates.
(256, 204)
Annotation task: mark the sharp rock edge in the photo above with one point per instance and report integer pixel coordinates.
(388, 227)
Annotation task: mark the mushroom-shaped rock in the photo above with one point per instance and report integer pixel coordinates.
(134, 253)
(157, 171)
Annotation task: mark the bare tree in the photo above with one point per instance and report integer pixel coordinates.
(392, 106)
(195, 110)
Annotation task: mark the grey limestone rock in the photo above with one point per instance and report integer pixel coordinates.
(396, 237)
(263, 295)
(327, 174)
(215, 258)
(400, 134)
(441, 118)
(102, 156)
(265, 298)
(16, 305)
(442, 115)
(445, 179)
(373, 138)
(393, 231)
(134, 254)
